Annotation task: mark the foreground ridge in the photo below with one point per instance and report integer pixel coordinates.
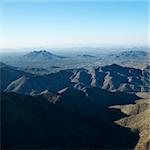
(138, 119)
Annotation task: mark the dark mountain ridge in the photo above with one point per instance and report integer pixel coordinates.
(111, 77)
(8, 74)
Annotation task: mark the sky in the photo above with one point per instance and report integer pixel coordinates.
(73, 23)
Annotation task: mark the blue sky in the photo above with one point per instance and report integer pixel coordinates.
(82, 23)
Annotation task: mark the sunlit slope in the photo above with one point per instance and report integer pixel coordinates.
(138, 119)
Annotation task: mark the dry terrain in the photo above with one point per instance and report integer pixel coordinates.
(138, 119)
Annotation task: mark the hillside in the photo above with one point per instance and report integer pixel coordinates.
(74, 120)
(138, 119)
(8, 74)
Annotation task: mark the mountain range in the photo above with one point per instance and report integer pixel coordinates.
(86, 56)
(42, 61)
(131, 54)
(110, 77)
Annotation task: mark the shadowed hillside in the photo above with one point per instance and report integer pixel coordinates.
(73, 121)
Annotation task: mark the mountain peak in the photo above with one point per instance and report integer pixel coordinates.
(86, 56)
(41, 55)
(40, 52)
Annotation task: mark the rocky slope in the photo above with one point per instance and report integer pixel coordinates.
(138, 119)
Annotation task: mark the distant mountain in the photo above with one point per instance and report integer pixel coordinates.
(131, 54)
(136, 58)
(73, 121)
(41, 55)
(110, 77)
(129, 58)
(85, 56)
(36, 70)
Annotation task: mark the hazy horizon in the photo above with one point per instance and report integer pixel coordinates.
(75, 49)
